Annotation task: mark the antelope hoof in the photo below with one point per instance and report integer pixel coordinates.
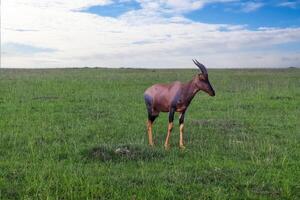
(167, 147)
(182, 147)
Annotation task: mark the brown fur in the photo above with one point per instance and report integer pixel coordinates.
(174, 97)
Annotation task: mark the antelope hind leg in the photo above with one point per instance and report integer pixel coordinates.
(181, 129)
(170, 127)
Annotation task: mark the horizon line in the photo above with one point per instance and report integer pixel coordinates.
(147, 68)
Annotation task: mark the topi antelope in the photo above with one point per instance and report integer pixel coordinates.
(174, 97)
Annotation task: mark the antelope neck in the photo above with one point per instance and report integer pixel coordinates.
(191, 90)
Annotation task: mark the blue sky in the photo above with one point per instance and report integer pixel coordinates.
(113, 10)
(150, 33)
(266, 14)
(269, 15)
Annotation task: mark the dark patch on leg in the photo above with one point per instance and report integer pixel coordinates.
(151, 117)
(181, 118)
(149, 104)
(171, 115)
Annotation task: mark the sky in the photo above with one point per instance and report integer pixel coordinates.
(150, 33)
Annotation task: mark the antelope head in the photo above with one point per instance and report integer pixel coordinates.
(202, 82)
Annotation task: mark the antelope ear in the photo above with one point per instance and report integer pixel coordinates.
(201, 76)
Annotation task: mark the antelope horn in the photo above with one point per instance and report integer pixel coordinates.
(201, 67)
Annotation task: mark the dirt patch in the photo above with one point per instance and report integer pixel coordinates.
(123, 153)
(101, 153)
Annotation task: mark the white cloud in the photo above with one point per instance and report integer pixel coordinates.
(251, 6)
(177, 6)
(57, 4)
(143, 38)
(289, 4)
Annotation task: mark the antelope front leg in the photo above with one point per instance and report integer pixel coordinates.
(170, 127)
(181, 129)
(150, 122)
(149, 129)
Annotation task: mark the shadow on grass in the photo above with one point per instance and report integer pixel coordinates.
(128, 152)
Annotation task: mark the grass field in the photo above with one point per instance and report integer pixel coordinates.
(59, 130)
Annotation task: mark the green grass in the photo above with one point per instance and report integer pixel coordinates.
(59, 130)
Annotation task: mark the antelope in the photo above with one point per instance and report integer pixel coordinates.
(174, 97)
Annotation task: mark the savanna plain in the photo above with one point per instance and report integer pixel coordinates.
(60, 129)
